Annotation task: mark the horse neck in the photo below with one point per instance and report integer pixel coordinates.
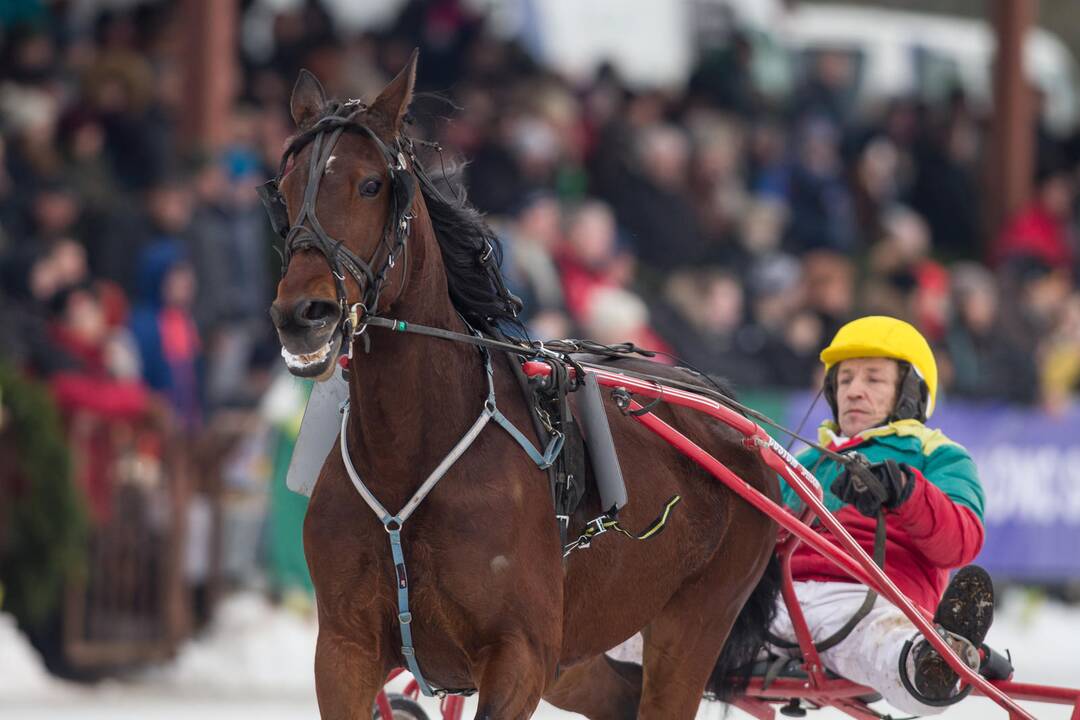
(413, 396)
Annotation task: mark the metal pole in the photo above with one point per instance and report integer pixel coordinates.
(1014, 111)
(210, 71)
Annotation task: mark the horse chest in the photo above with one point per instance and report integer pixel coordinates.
(462, 565)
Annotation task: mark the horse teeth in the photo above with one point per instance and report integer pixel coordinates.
(304, 360)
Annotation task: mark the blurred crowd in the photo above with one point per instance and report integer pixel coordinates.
(735, 232)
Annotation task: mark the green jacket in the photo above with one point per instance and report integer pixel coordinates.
(939, 526)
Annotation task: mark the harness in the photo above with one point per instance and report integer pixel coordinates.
(354, 320)
(393, 523)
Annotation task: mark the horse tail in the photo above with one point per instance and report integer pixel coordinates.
(732, 672)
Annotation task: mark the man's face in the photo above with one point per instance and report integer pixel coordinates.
(865, 393)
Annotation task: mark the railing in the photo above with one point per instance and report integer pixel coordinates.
(130, 604)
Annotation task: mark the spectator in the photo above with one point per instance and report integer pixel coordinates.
(169, 344)
(1039, 291)
(904, 281)
(54, 211)
(761, 228)
(533, 238)
(98, 385)
(702, 203)
(722, 77)
(704, 317)
(652, 203)
(229, 243)
(986, 361)
(616, 316)
(102, 372)
(590, 257)
(829, 90)
(120, 87)
(830, 288)
(821, 208)
(1043, 229)
(875, 187)
(777, 293)
(1060, 369)
(945, 188)
(718, 188)
(28, 279)
(166, 218)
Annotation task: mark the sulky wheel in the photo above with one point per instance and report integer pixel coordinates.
(404, 709)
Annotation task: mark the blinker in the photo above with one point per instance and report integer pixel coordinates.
(275, 206)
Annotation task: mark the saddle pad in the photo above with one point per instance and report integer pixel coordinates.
(318, 434)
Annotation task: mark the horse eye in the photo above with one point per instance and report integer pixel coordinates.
(370, 188)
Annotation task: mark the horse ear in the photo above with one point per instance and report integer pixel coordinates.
(394, 100)
(308, 97)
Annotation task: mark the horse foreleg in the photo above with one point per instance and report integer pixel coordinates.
(512, 677)
(348, 676)
(599, 689)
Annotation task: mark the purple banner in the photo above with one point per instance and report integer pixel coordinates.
(1029, 465)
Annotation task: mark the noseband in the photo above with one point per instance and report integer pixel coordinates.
(308, 232)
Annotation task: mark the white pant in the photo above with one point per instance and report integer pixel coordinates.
(870, 655)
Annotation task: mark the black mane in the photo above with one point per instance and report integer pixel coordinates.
(478, 293)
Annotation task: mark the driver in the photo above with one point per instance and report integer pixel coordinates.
(881, 383)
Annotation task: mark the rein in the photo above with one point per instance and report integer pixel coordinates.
(307, 233)
(602, 524)
(561, 349)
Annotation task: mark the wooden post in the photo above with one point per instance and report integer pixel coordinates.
(210, 71)
(1013, 126)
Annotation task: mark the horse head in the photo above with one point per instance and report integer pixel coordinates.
(342, 201)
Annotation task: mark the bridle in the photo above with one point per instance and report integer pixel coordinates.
(308, 232)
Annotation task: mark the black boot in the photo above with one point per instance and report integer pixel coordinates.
(967, 610)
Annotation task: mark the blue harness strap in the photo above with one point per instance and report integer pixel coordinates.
(404, 616)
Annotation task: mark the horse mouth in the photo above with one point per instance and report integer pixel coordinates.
(313, 364)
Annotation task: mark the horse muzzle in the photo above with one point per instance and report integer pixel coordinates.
(308, 331)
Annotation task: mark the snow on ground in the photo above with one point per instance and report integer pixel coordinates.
(251, 649)
(255, 661)
(21, 669)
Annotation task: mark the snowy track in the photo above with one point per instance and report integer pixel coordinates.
(256, 663)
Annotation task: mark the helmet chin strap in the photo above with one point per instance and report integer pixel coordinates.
(911, 397)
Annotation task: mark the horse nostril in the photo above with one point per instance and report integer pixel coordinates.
(278, 316)
(315, 313)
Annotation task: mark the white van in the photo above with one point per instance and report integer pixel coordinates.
(897, 52)
(916, 53)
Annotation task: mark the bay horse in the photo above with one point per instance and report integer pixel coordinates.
(494, 606)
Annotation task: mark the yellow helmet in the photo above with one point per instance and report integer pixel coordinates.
(882, 336)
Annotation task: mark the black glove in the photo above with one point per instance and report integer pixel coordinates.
(872, 487)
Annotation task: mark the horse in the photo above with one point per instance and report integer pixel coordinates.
(492, 604)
